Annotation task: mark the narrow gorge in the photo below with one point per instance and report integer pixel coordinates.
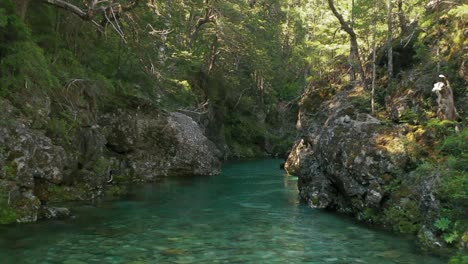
(169, 123)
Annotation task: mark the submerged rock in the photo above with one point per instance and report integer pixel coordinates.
(54, 212)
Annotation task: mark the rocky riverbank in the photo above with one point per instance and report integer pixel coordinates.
(52, 161)
(372, 168)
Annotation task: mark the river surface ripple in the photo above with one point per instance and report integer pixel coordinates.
(249, 214)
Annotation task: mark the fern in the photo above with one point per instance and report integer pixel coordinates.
(442, 224)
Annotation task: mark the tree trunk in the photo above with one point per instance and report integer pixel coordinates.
(213, 54)
(401, 17)
(389, 42)
(356, 64)
(374, 36)
(352, 57)
(22, 7)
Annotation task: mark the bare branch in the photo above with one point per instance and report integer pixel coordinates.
(154, 32)
(70, 7)
(209, 17)
(97, 7)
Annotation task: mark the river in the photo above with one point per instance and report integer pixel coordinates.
(249, 214)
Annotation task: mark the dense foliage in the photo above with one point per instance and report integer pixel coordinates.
(239, 68)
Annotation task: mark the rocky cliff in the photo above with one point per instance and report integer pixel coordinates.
(101, 153)
(349, 161)
(345, 157)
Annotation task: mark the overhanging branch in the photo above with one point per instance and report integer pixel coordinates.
(110, 10)
(70, 7)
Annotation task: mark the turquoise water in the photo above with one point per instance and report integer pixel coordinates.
(249, 214)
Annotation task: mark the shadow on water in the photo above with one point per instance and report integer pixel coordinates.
(249, 214)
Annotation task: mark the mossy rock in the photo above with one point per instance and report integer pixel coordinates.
(116, 191)
(60, 193)
(7, 213)
(370, 215)
(26, 208)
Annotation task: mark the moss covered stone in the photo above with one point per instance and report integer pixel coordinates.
(7, 214)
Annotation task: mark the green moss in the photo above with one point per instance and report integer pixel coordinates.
(61, 130)
(9, 171)
(115, 191)
(25, 207)
(7, 214)
(370, 214)
(59, 193)
(441, 128)
(101, 166)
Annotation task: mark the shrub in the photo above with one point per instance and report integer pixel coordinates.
(456, 144)
(404, 217)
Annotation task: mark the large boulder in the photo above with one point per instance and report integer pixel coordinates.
(151, 144)
(345, 157)
(349, 161)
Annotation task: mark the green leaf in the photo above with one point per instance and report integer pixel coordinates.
(450, 238)
(460, 11)
(442, 224)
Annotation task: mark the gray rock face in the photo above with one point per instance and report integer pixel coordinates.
(345, 158)
(350, 162)
(142, 144)
(194, 149)
(32, 155)
(27, 157)
(156, 144)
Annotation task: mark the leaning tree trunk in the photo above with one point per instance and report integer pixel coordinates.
(356, 64)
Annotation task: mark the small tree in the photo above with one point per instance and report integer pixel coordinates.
(356, 63)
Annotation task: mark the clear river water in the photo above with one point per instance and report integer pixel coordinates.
(249, 214)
